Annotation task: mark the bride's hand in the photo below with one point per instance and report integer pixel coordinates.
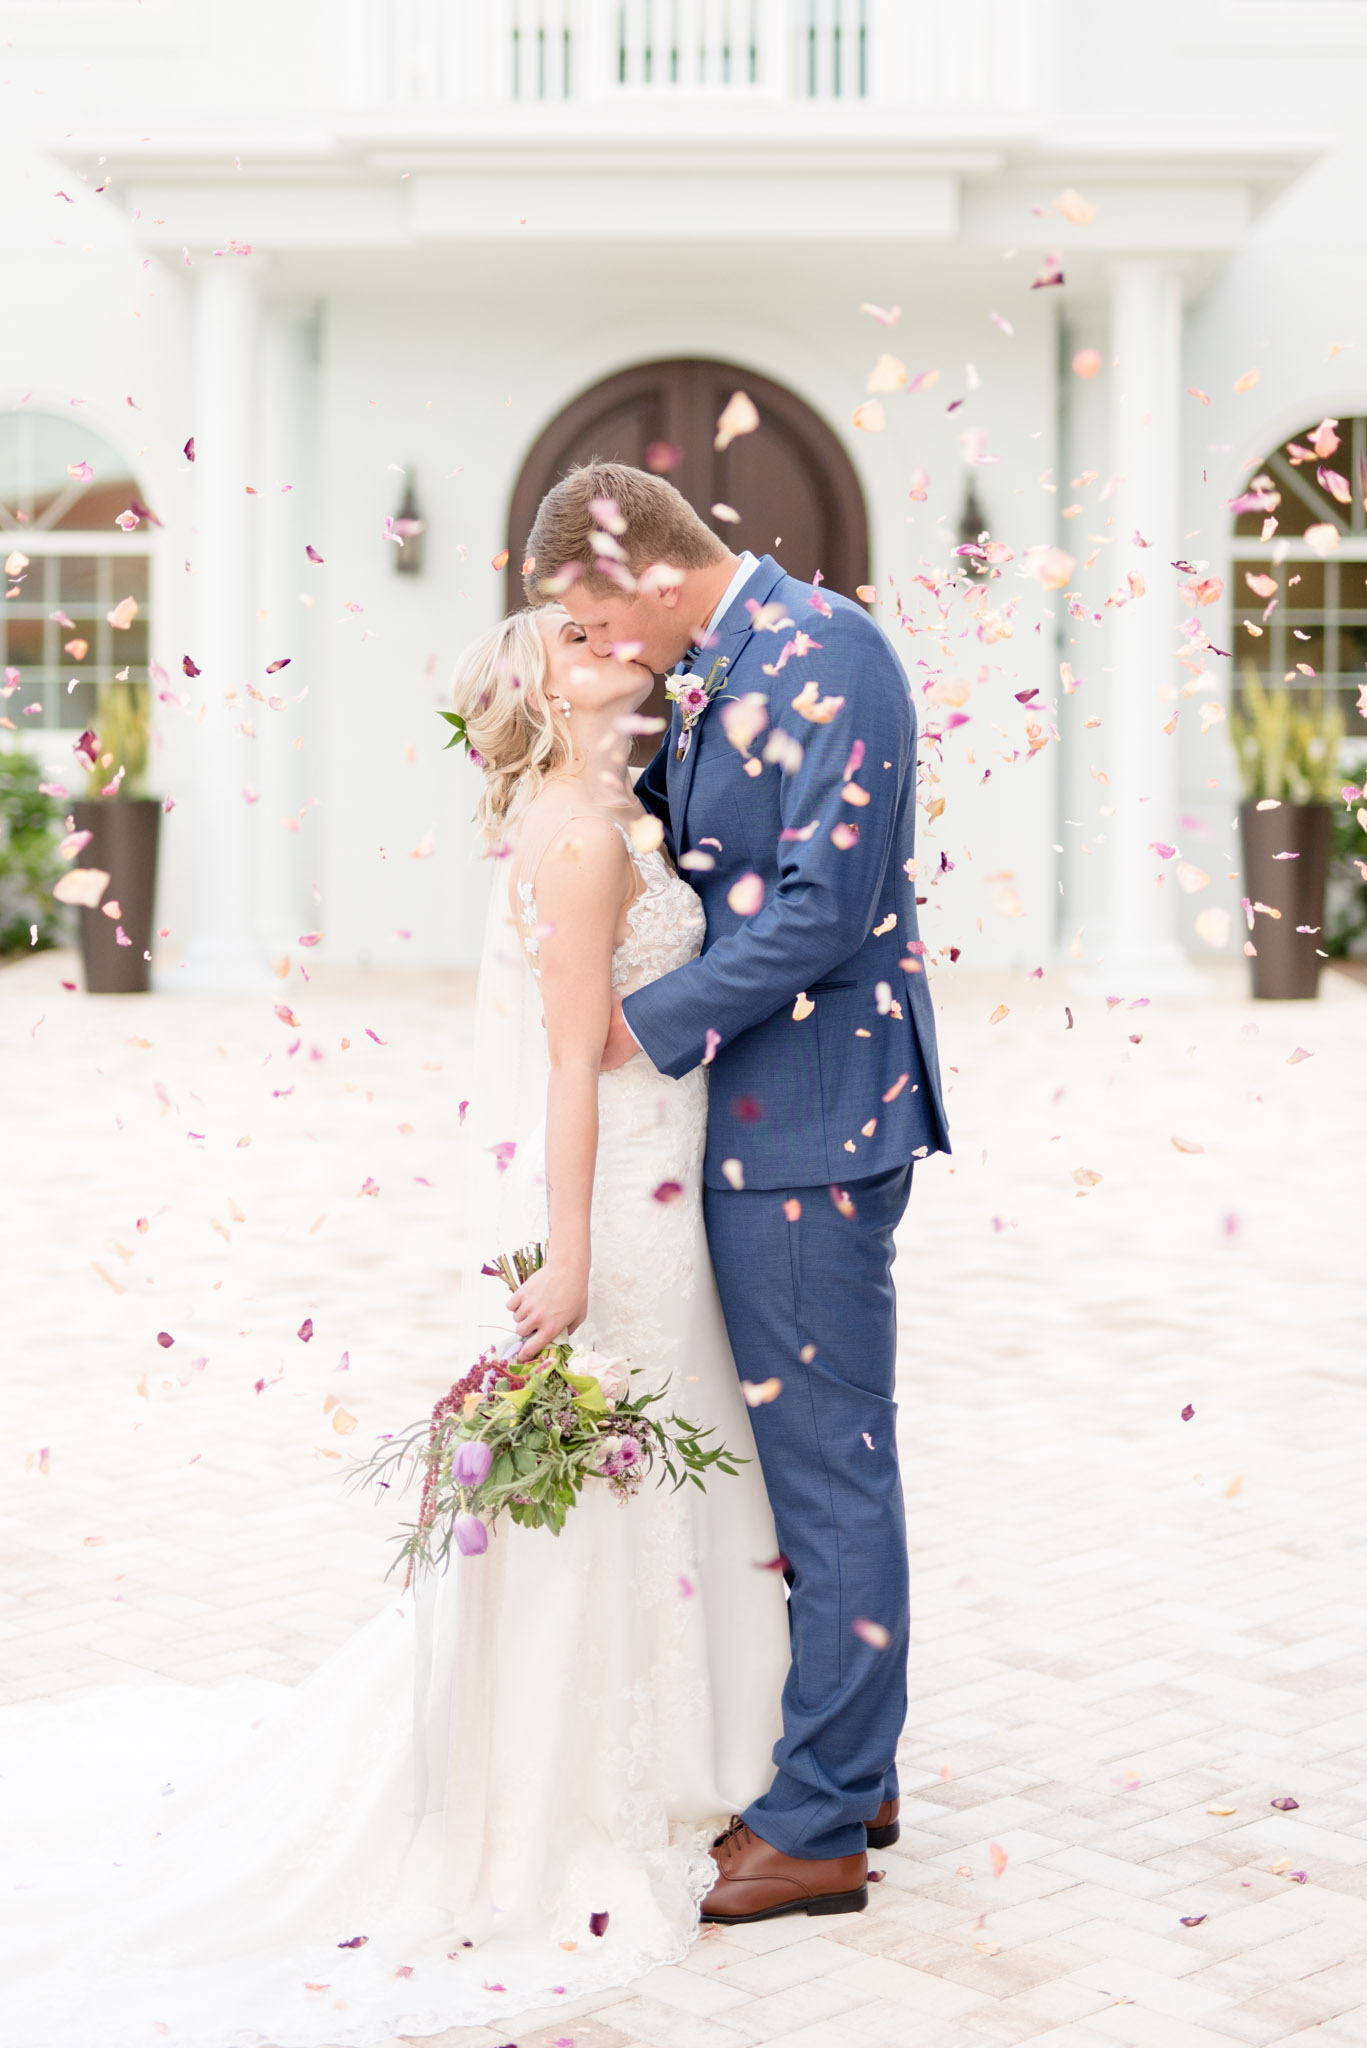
(621, 1046)
(553, 1302)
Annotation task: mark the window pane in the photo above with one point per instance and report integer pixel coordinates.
(76, 579)
(1353, 652)
(76, 711)
(1304, 586)
(1310, 650)
(24, 642)
(130, 646)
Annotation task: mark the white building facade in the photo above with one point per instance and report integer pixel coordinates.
(361, 256)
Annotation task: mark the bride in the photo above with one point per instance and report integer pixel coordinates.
(500, 1793)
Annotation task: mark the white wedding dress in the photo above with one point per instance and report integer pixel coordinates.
(548, 1734)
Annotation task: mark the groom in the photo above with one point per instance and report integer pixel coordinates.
(788, 799)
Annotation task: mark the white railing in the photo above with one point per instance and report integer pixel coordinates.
(914, 53)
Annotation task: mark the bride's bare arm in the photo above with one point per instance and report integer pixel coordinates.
(582, 884)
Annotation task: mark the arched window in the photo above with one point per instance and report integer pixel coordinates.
(75, 609)
(1300, 605)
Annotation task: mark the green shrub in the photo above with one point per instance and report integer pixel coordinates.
(29, 865)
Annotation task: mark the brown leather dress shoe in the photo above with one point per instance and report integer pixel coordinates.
(755, 1881)
(884, 1829)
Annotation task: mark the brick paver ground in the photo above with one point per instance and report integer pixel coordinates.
(1132, 1632)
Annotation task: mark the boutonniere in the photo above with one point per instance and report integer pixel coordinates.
(693, 698)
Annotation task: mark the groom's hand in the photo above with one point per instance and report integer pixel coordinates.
(620, 1046)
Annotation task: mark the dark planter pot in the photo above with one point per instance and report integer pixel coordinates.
(1286, 967)
(123, 843)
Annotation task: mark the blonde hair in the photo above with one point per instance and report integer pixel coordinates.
(660, 525)
(500, 688)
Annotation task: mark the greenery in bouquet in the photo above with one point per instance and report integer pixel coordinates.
(522, 1439)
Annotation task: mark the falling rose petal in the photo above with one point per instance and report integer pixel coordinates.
(886, 316)
(713, 1040)
(356, 1941)
(746, 895)
(1286, 1805)
(758, 1394)
(871, 1632)
(999, 1858)
(739, 416)
(1186, 1145)
(404, 1970)
(1296, 1057)
(733, 1173)
(1192, 1919)
(1050, 272)
(598, 1923)
(792, 1207)
(1081, 212)
(668, 1191)
(81, 886)
(774, 1564)
(870, 417)
(647, 834)
(1188, 1412)
(305, 1330)
(165, 1340)
(309, 938)
(1000, 320)
(889, 373)
(1002, 1010)
(1085, 1176)
(1087, 363)
(370, 1034)
(1248, 381)
(188, 666)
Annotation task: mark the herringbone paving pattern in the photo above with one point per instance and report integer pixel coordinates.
(1133, 1632)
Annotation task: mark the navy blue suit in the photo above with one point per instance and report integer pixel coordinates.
(818, 1110)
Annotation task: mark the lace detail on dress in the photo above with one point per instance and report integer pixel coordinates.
(665, 923)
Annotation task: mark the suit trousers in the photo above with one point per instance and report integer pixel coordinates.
(808, 1300)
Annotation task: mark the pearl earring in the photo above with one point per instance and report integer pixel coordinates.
(566, 706)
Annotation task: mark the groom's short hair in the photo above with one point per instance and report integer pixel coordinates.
(661, 526)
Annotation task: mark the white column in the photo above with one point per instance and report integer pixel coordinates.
(223, 952)
(287, 629)
(1146, 332)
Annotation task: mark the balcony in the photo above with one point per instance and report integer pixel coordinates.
(645, 56)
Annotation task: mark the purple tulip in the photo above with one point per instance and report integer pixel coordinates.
(472, 1538)
(472, 1464)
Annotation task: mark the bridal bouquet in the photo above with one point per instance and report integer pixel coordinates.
(523, 1439)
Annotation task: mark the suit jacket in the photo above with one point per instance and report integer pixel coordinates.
(850, 1086)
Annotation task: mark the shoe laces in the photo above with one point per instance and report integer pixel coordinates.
(727, 1842)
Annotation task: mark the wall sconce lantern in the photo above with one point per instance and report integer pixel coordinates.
(972, 529)
(407, 528)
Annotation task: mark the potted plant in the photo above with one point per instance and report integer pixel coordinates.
(116, 937)
(1288, 747)
(29, 863)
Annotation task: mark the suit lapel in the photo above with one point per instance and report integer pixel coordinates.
(730, 637)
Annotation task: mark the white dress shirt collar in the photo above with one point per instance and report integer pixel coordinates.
(745, 569)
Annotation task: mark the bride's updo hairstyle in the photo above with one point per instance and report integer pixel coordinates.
(500, 690)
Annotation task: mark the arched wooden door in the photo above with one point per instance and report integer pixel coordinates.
(791, 481)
